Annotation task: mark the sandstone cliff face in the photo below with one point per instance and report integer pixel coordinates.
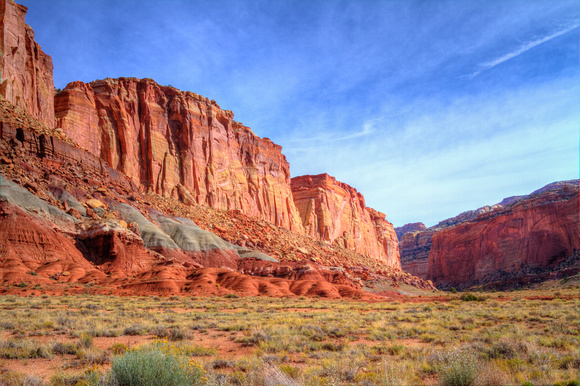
(415, 239)
(335, 212)
(179, 144)
(534, 234)
(26, 71)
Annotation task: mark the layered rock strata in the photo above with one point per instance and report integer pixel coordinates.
(336, 213)
(26, 71)
(179, 144)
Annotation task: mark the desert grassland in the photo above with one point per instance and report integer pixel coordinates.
(509, 338)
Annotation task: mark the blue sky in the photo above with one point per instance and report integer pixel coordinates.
(428, 108)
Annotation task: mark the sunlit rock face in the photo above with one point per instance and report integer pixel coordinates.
(26, 71)
(334, 212)
(179, 144)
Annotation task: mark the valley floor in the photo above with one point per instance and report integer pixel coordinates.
(519, 337)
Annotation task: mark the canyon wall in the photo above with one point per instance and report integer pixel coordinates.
(415, 239)
(334, 212)
(535, 234)
(179, 144)
(26, 71)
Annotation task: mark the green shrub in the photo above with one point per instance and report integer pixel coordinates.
(457, 368)
(158, 364)
(567, 383)
(18, 379)
(396, 349)
(135, 330)
(62, 348)
(468, 297)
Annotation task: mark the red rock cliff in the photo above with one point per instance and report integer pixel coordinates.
(26, 71)
(335, 212)
(179, 144)
(536, 233)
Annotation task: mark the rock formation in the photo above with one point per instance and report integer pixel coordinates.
(334, 212)
(179, 144)
(532, 235)
(411, 227)
(172, 143)
(521, 236)
(415, 238)
(26, 71)
(110, 176)
(68, 217)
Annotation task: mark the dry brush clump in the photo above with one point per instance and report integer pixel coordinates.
(157, 364)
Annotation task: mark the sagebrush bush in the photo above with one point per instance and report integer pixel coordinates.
(159, 364)
(119, 348)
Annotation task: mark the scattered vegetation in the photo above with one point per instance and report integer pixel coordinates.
(510, 338)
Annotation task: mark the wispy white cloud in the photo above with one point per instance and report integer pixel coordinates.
(368, 128)
(522, 48)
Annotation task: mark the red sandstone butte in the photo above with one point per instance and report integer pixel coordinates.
(334, 212)
(167, 141)
(538, 232)
(26, 70)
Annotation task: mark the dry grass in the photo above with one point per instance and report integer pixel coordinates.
(510, 338)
